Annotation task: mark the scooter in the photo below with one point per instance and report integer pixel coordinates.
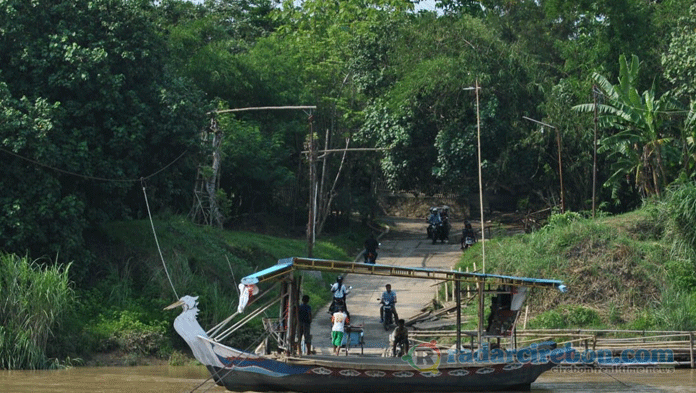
(370, 257)
(400, 349)
(387, 313)
(468, 242)
(339, 301)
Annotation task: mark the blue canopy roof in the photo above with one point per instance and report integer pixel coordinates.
(287, 265)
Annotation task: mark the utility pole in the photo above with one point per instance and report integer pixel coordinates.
(594, 158)
(311, 221)
(205, 208)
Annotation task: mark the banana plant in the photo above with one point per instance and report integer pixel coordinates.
(636, 147)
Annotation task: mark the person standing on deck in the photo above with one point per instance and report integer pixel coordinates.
(305, 321)
(339, 319)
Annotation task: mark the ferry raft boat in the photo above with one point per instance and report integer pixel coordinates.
(475, 363)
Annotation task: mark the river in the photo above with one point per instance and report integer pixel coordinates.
(170, 379)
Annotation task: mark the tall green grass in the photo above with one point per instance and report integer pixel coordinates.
(678, 213)
(201, 261)
(614, 268)
(33, 298)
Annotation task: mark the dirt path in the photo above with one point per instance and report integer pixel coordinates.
(406, 245)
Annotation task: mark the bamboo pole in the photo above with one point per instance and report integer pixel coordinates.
(691, 348)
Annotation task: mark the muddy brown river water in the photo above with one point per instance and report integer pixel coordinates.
(170, 379)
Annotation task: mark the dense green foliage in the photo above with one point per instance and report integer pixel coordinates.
(105, 101)
(97, 95)
(89, 108)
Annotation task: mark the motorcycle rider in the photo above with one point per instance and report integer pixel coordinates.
(400, 337)
(444, 213)
(468, 231)
(444, 217)
(434, 220)
(371, 246)
(388, 296)
(339, 291)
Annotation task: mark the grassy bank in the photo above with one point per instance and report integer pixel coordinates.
(120, 310)
(621, 271)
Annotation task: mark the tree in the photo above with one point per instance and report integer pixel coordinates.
(641, 142)
(679, 60)
(89, 108)
(427, 115)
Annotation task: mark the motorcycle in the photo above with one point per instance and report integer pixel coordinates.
(468, 242)
(441, 232)
(370, 257)
(339, 301)
(400, 349)
(387, 313)
(336, 303)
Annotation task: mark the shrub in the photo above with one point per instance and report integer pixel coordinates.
(567, 317)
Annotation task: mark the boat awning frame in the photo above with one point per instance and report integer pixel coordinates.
(288, 265)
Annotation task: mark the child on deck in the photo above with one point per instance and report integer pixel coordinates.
(339, 319)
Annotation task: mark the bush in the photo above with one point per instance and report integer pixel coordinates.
(125, 331)
(567, 317)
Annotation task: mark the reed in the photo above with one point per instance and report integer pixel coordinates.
(33, 298)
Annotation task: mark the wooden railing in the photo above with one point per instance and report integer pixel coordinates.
(681, 343)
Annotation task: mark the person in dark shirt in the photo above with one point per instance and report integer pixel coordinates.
(468, 231)
(400, 337)
(305, 321)
(371, 246)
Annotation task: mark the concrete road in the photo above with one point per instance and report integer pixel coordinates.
(405, 244)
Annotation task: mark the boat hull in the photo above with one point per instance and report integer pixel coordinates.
(242, 371)
(520, 380)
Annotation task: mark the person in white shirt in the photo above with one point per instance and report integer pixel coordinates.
(339, 291)
(339, 319)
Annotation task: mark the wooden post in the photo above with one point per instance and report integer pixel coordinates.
(594, 157)
(526, 313)
(282, 323)
(312, 192)
(290, 337)
(480, 284)
(691, 348)
(458, 299)
(468, 287)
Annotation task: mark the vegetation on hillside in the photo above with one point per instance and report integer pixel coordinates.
(627, 271)
(121, 312)
(102, 98)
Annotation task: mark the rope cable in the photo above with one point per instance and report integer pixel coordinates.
(152, 224)
(88, 177)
